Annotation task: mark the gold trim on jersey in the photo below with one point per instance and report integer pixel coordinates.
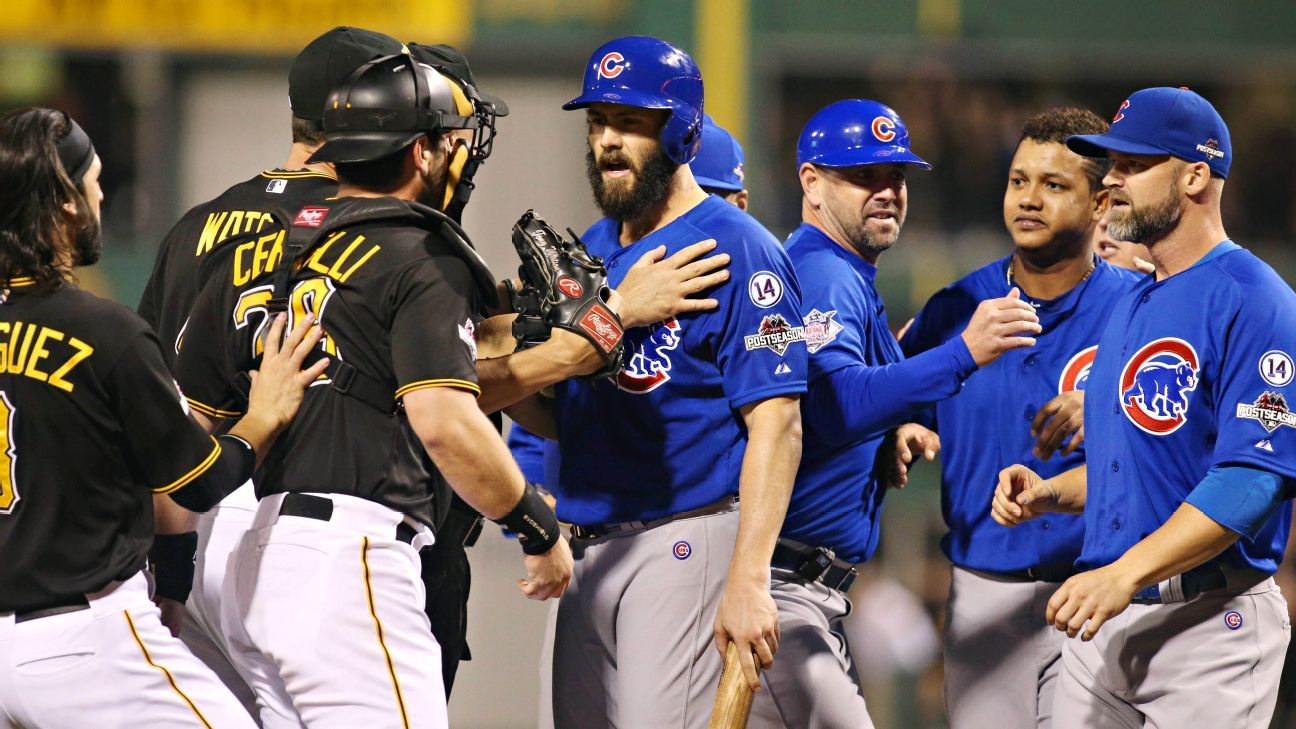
(210, 411)
(295, 174)
(391, 666)
(15, 283)
(197, 471)
(170, 679)
(444, 382)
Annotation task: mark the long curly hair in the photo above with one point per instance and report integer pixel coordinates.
(39, 237)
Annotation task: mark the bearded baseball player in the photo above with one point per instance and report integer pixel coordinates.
(1174, 618)
(852, 160)
(704, 409)
(328, 575)
(245, 208)
(80, 642)
(1001, 658)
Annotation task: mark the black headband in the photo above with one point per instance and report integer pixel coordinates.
(75, 151)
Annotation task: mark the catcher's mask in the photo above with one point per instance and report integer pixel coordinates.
(388, 103)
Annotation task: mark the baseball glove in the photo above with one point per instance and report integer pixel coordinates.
(563, 286)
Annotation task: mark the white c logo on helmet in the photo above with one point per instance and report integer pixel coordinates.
(611, 65)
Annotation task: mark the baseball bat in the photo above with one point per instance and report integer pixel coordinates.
(734, 697)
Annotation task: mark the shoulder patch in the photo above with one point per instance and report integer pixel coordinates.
(820, 328)
(765, 289)
(775, 334)
(1276, 368)
(1270, 410)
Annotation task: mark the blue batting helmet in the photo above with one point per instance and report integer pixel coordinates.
(652, 74)
(719, 162)
(856, 132)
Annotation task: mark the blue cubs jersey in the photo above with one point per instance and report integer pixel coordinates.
(665, 435)
(859, 388)
(528, 450)
(986, 427)
(1192, 372)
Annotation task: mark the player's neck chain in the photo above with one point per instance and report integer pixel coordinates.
(1008, 277)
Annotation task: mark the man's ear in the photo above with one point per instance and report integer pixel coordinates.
(1196, 176)
(811, 179)
(1101, 201)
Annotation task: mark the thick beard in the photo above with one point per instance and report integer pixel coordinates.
(87, 244)
(1139, 225)
(652, 181)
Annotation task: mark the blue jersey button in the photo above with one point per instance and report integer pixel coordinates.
(1115, 466)
(1030, 361)
(1116, 524)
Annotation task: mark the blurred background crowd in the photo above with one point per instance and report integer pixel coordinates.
(185, 97)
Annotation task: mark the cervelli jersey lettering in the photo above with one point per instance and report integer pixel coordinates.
(665, 435)
(1192, 372)
(242, 210)
(397, 304)
(91, 426)
(986, 427)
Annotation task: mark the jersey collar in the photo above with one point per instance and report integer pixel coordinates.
(820, 238)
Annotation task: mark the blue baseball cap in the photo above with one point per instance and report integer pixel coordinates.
(1164, 120)
(719, 162)
(856, 132)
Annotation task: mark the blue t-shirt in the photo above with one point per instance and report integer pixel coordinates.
(859, 388)
(986, 427)
(667, 436)
(1192, 372)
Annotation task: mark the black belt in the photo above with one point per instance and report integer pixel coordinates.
(460, 526)
(311, 506)
(54, 607)
(813, 564)
(594, 531)
(1192, 583)
(1058, 573)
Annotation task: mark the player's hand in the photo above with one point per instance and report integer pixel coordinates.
(655, 289)
(904, 329)
(173, 612)
(280, 383)
(547, 574)
(749, 618)
(1021, 496)
(1143, 266)
(999, 325)
(901, 447)
(1059, 419)
(1094, 597)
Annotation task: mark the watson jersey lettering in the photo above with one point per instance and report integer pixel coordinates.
(666, 436)
(859, 389)
(397, 303)
(986, 427)
(91, 425)
(241, 210)
(1192, 372)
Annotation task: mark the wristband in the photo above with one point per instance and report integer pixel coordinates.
(172, 562)
(533, 522)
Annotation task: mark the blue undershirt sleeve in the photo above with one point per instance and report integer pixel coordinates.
(1240, 498)
(856, 401)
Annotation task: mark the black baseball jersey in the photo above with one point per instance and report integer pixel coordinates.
(91, 425)
(397, 303)
(245, 208)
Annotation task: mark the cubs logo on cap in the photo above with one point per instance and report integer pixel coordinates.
(611, 65)
(1155, 385)
(647, 364)
(1075, 375)
(884, 129)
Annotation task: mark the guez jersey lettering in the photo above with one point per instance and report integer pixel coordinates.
(91, 425)
(396, 303)
(1189, 375)
(666, 436)
(986, 427)
(241, 211)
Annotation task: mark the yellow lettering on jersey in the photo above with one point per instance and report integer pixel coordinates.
(211, 233)
(311, 296)
(264, 253)
(58, 377)
(39, 353)
(23, 347)
(337, 272)
(313, 263)
(232, 225)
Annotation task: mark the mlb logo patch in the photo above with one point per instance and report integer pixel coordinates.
(277, 186)
(311, 217)
(1155, 385)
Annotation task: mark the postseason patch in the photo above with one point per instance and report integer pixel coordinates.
(820, 329)
(1270, 410)
(468, 334)
(775, 334)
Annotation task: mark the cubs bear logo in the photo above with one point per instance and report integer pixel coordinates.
(611, 65)
(647, 356)
(1155, 385)
(883, 129)
(1075, 375)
